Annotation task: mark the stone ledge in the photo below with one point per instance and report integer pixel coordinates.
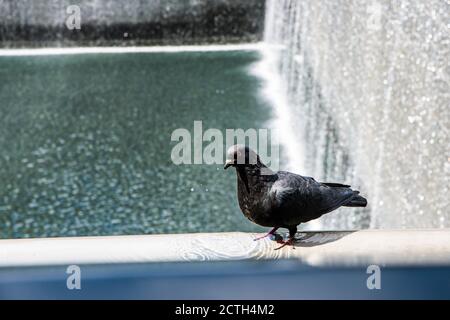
(326, 248)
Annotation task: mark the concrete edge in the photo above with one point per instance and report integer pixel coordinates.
(325, 248)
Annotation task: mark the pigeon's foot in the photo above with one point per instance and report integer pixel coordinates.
(272, 236)
(262, 237)
(269, 234)
(289, 242)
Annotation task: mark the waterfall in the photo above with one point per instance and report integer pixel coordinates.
(367, 88)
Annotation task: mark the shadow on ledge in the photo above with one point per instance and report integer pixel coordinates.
(316, 238)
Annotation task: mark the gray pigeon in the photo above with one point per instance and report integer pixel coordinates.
(284, 199)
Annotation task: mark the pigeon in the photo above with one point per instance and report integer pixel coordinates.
(283, 199)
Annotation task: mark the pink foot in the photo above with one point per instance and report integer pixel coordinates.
(271, 232)
(262, 237)
(290, 242)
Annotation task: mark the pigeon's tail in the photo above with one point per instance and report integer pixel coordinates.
(356, 201)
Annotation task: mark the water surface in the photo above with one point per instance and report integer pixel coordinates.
(85, 142)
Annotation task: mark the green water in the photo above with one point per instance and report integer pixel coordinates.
(85, 142)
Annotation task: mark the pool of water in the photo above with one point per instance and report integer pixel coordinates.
(85, 142)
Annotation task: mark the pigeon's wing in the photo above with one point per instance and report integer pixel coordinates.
(303, 196)
(288, 200)
(287, 193)
(335, 185)
(328, 197)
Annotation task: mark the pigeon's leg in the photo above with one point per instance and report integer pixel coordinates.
(291, 240)
(271, 232)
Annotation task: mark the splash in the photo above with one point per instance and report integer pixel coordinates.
(367, 88)
(275, 94)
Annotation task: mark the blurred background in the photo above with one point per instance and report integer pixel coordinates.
(359, 89)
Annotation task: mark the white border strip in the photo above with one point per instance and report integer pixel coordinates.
(155, 49)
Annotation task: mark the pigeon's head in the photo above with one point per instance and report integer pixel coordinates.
(241, 156)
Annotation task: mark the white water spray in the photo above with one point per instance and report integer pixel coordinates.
(275, 94)
(366, 86)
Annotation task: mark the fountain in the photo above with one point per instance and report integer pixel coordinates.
(367, 89)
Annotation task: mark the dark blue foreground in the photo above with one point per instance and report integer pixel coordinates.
(225, 280)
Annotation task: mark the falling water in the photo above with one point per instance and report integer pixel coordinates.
(367, 88)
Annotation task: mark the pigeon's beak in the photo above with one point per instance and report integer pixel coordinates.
(228, 163)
